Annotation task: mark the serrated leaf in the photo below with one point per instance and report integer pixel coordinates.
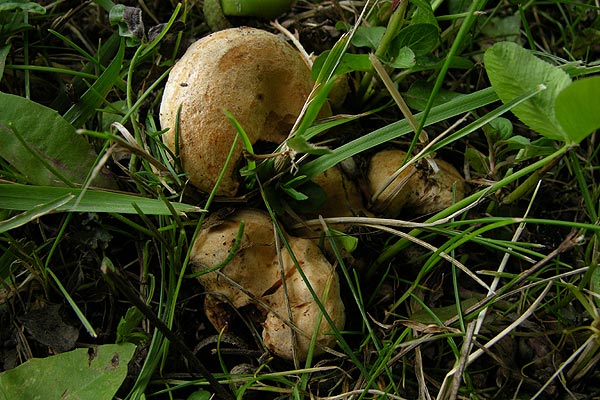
(512, 71)
(577, 108)
(45, 149)
(82, 374)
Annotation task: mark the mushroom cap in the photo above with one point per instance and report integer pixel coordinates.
(306, 314)
(256, 251)
(255, 268)
(256, 76)
(343, 196)
(418, 190)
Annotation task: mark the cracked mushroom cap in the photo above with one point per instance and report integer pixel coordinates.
(255, 268)
(253, 74)
(305, 313)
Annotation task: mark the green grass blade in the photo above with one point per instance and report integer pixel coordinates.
(80, 112)
(485, 119)
(23, 197)
(88, 327)
(32, 214)
(442, 112)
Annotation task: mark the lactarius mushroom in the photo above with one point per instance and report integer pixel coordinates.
(256, 76)
(253, 276)
(343, 196)
(417, 189)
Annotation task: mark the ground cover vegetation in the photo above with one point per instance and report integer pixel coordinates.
(467, 267)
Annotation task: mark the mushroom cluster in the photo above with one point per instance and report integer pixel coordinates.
(263, 82)
(251, 271)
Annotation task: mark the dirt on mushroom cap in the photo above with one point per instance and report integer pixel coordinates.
(253, 74)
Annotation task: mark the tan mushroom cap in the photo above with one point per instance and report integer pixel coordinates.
(256, 251)
(255, 268)
(418, 190)
(306, 314)
(253, 74)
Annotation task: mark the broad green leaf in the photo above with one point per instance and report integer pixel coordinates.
(429, 61)
(23, 197)
(348, 63)
(405, 58)
(29, 6)
(578, 108)
(349, 243)
(477, 160)
(127, 330)
(82, 374)
(43, 146)
(512, 71)
(368, 36)
(424, 13)
(503, 28)
(200, 394)
(420, 38)
(418, 94)
(498, 129)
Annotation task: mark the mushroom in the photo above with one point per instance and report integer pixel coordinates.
(253, 276)
(343, 197)
(416, 189)
(256, 76)
(306, 314)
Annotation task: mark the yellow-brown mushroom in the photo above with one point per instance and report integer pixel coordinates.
(254, 276)
(417, 190)
(256, 76)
